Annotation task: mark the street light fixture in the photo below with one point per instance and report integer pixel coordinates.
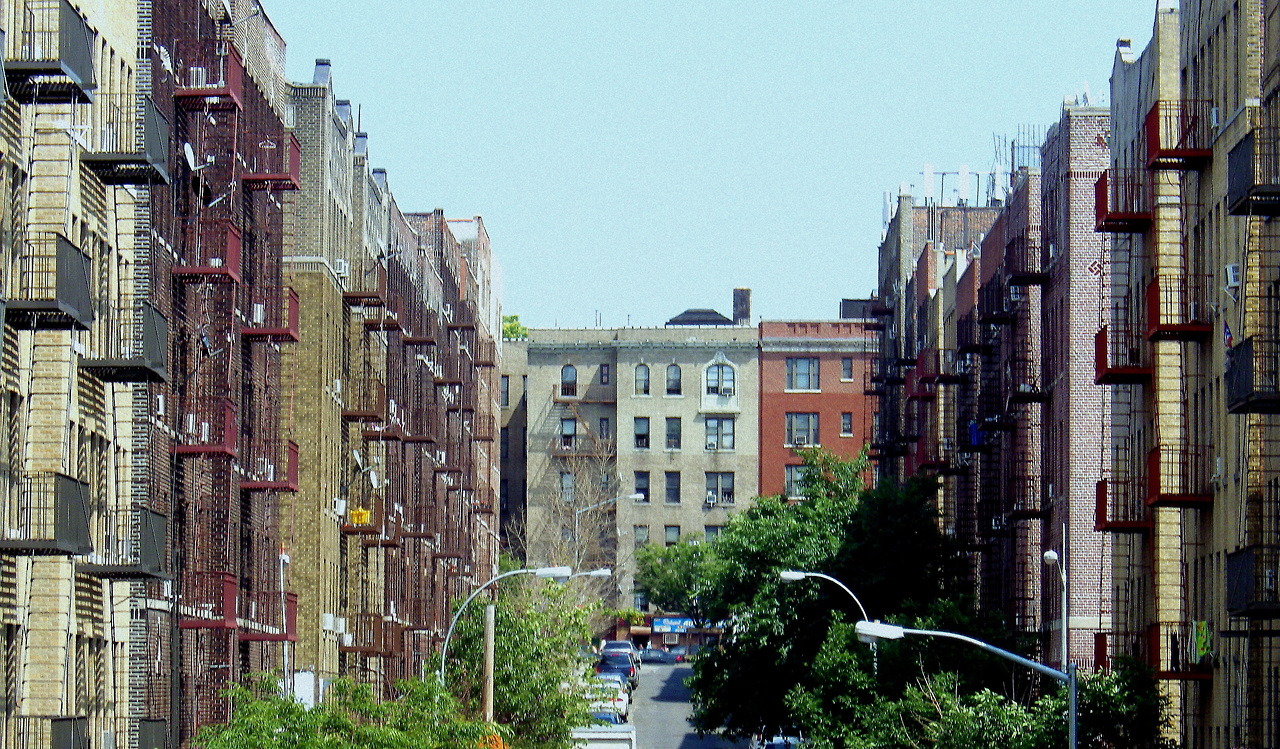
(873, 632)
(602, 572)
(554, 573)
(791, 576)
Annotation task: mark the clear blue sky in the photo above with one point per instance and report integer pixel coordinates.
(640, 158)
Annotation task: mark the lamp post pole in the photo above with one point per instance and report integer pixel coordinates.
(790, 576)
(1052, 559)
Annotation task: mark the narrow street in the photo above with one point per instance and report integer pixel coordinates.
(660, 711)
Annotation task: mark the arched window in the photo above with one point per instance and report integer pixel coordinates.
(569, 380)
(642, 379)
(673, 380)
(720, 379)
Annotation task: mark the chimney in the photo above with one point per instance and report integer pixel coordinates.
(321, 75)
(742, 306)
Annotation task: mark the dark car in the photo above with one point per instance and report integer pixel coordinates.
(654, 655)
(619, 663)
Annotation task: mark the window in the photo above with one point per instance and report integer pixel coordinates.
(640, 600)
(674, 386)
(641, 534)
(720, 380)
(719, 487)
(673, 487)
(506, 443)
(712, 532)
(505, 386)
(802, 373)
(795, 475)
(846, 424)
(606, 428)
(642, 379)
(671, 534)
(719, 432)
(568, 381)
(673, 432)
(846, 368)
(568, 430)
(604, 374)
(566, 487)
(642, 485)
(802, 429)
(642, 432)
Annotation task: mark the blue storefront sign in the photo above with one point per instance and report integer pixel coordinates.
(679, 624)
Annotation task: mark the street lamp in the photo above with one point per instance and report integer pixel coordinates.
(561, 573)
(1051, 559)
(602, 572)
(791, 576)
(873, 632)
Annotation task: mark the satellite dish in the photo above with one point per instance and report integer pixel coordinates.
(190, 153)
(226, 8)
(358, 458)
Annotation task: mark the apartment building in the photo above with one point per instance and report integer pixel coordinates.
(635, 436)
(812, 374)
(1188, 197)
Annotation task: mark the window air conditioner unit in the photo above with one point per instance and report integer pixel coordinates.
(197, 77)
(800, 440)
(726, 392)
(711, 498)
(326, 622)
(340, 624)
(348, 639)
(1232, 272)
(711, 444)
(340, 507)
(1215, 118)
(342, 267)
(259, 313)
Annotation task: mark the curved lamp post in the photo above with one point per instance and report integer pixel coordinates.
(791, 576)
(602, 572)
(873, 632)
(561, 573)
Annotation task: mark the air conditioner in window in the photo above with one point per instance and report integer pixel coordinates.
(711, 444)
(326, 622)
(1232, 273)
(1215, 118)
(711, 498)
(727, 392)
(342, 267)
(800, 440)
(197, 77)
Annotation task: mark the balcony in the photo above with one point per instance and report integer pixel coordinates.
(208, 426)
(886, 372)
(49, 56)
(969, 339)
(212, 253)
(1252, 380)
(1178, 135)
(386, 318)
(1027, 498)
(1179, 476)
(1178, 308)
(365, 399)
(270, 616)
(54, 732)
(463, 318)
(48, 517)
(482, 428)
(1253, 582)
(274, 315)
(419, 330)
(275, 163)
(1122, 201)
(1023, 260)
(1181, 651)
(1120, 506)
(366, 283)
(208, 601)
(1253, 174)
(484, 353)
(994, 304)
(265, 473)
(134, 346)
(973, 439)
(210, 74)
(53, 289)
(1023, 382)
(372, 635)
(133, 548)
(1119, 357)
(130, 145)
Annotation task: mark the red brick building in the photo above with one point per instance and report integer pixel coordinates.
(812, 393)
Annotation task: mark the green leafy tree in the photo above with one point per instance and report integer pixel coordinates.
(512, 330)
(540, 686)
(422, 716)
(676, 577)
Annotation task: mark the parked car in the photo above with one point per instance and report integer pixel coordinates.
(654, 655)
(622, 663)
(787, 739)
(611, 693)
(614, 646)
(607, 715)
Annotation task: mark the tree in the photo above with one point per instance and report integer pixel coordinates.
(512, 330)
(675, 578)
(540, 685)
(422, 717)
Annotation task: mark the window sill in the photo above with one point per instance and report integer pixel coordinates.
(720, 450)
(807, 444)
(846, 434)
(802, 390)
(673, 396)
(671, 450)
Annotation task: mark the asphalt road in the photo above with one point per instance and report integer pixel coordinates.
(660, 711)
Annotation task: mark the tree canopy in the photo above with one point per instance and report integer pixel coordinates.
(512, 330)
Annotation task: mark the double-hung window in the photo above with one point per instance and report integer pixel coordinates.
(802, 429)
(642, 379)
(642, 485)
(720, 380)
(642, 432)
(673, 487)
(802, 373)
(795, 475)
(568, 431)
(719, 432)
(720, 487)
(674, 384)
(673, 432)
